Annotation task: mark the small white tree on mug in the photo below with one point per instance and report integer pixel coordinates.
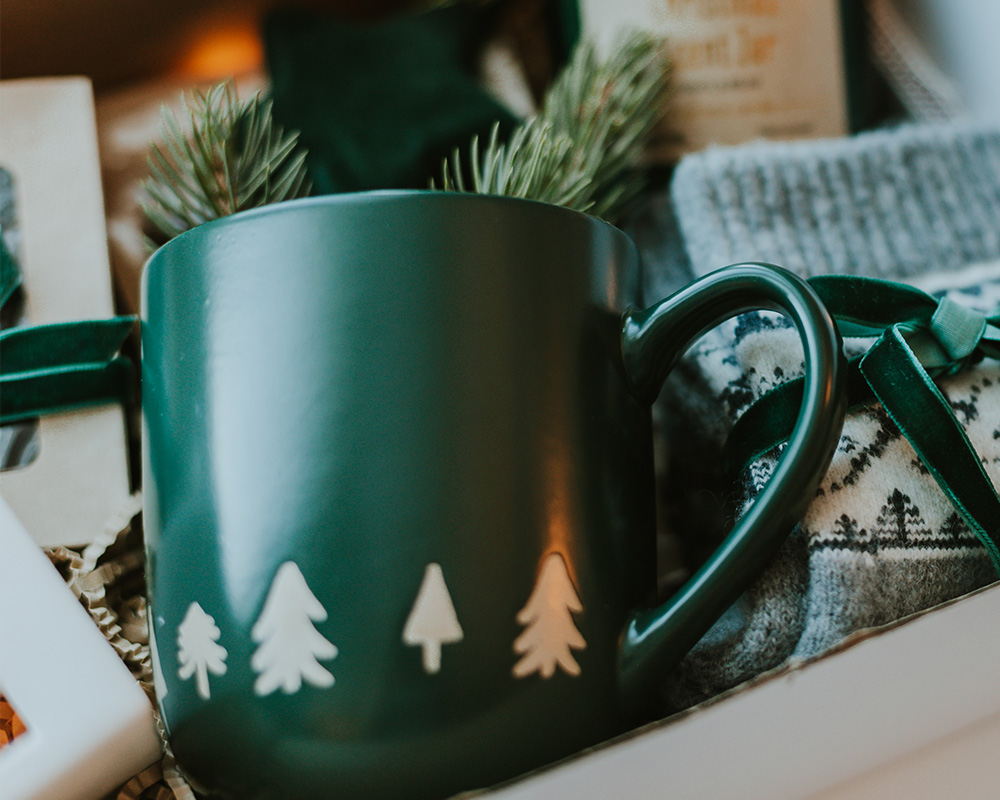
(432, 620)
(198, 649)
(290, 647)
(550, 633)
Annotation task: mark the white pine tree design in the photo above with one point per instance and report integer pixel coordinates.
(198, 649)
(159, 687)
(432, 621)
(289, 645)
(550, 633)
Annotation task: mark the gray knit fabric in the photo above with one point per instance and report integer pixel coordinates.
(883, 204)
(881, 540)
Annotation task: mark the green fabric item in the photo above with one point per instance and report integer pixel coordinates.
(46, 369)
(919, 338)
(33, 394)
(10, 274)
(925, 418)
(379, 106)
(40, 347)
(59, 367)
(957, 328)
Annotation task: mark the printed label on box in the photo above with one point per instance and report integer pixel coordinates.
(742, 69)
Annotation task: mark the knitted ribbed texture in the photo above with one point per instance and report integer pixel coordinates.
(882, 204)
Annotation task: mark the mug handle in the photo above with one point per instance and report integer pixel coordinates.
(652, 341)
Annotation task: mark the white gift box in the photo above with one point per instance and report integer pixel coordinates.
(89, 724)
(50, 150)
(910, 711)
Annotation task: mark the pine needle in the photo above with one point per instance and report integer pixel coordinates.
(231, 156)
(583, 148)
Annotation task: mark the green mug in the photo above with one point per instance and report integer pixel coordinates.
(399, 498)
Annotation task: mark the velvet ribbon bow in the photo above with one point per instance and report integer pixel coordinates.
(919, 338)
(59, 367)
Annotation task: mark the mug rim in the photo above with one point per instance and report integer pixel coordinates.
(376, 195)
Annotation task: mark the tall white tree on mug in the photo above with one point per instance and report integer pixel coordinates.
(198, 649)
(290, 648)
(550, 631)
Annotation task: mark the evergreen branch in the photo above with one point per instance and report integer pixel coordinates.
(230, 156)
(583, 148)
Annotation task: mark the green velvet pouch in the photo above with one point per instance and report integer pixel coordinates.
(379, 106)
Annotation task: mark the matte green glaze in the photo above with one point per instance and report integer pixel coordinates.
(369, 384)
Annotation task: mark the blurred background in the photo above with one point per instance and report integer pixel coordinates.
(940, 47)
(117, 42)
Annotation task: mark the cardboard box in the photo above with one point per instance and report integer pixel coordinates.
(50, 148)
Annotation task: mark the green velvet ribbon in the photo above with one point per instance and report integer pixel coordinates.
(10, 274)
(45, 369)
(919, 338)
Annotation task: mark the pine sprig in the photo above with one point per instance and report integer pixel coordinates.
(583, 148)
(231, 156)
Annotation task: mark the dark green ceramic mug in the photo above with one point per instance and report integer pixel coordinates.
(399, 489)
